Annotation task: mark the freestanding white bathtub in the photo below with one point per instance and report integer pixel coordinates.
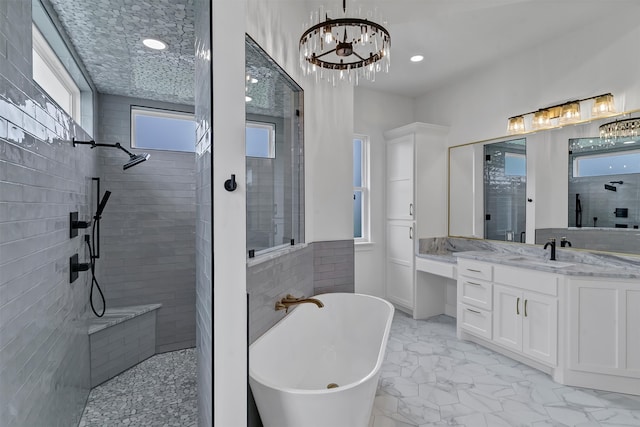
(343, 343)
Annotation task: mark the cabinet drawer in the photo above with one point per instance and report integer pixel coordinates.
(477, 270)
(475, 292)
(528, 279)
(439, 268)
(474, 320)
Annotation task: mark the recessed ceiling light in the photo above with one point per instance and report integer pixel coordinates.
(417, 58)
(254, 80)
(154, 44)
(248, 99)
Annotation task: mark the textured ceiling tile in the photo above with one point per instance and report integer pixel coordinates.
(108, 34)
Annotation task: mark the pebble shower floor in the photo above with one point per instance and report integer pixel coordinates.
(161, 391)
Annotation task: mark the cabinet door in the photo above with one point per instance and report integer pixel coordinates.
(594, 316)
(507, 321)
(540, 327)
(400, 203)
(400, 258)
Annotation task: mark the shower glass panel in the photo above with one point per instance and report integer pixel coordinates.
(274, 149)
(505, 184)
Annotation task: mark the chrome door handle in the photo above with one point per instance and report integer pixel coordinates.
(525, 308)
(474, 284)
(411, 233)
(518, 306)
(410, 209)
(474, 311)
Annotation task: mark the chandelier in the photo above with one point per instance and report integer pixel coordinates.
(629, 128)
(343, 48)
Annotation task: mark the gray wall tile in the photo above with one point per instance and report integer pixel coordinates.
(148, 227)
(44, 347)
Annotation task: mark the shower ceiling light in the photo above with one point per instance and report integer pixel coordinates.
(561, 114)
(342, 48)
(154, 44)
(416, 58)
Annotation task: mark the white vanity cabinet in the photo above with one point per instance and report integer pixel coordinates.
(515, 308)
(604, 316)
(416, 162)
(525, 312)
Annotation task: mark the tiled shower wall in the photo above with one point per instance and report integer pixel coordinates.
(204, 233)
(44, 349)
(147, 232)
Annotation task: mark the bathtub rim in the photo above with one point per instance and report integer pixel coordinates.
(376, 369)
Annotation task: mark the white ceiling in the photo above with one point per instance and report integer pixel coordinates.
(456, 37)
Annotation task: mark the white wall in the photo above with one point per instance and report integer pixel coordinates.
(581, 64)
(374, 113)
(328, 122)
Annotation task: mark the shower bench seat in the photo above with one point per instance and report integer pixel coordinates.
(122, 338)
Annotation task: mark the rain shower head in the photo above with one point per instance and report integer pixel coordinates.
(134, 159)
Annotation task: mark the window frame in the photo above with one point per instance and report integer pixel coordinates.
(56, 68)
(162, 113)
(365, 221)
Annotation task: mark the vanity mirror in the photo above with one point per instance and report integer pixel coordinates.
(547, 202)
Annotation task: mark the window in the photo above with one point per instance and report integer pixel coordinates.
(53, 77)
(361, 188)
(260, 140)
(515, 164)
(157, 129)
(616, 163)
(57, 68)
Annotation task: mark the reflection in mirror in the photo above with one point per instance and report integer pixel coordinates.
(604, 183)
(274, 150)
(505, 185)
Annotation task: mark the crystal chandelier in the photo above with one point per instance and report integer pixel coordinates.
(629, 128)
(344, 48)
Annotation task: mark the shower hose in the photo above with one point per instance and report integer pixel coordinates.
(94, 281)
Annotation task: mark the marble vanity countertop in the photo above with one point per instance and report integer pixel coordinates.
(441, 256)
(616, 270)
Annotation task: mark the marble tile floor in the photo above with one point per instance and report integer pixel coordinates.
(430, 378)
(161, 391)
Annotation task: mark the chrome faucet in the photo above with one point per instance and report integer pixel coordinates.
(552, 243)
(290, 300)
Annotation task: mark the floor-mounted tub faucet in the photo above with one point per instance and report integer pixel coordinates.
(552, 243)
(564, 242)
(290, 300)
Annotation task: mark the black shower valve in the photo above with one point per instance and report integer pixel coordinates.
(75, 266)
(74, 224)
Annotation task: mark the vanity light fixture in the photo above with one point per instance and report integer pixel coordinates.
(569, 113)
(337, 47)
(154, 44)
(516, 125)
(561, 114)
(603, 106)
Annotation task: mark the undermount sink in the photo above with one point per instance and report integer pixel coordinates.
(548, 263)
